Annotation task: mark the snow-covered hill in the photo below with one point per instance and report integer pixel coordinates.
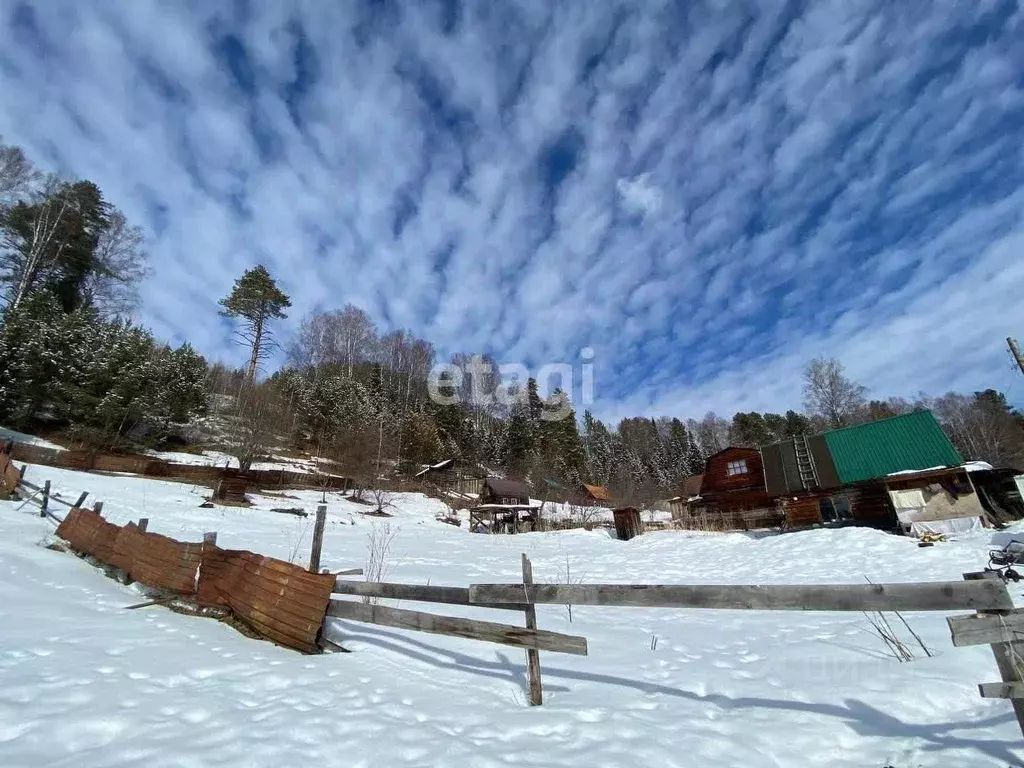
(83, 682)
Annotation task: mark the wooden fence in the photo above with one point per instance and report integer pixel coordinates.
(529, 637)
(996, 622)
(147, 466)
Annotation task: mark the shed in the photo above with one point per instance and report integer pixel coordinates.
(596, 495)
(627, 522)
(505, 492)
(453, 475)
(231, 489)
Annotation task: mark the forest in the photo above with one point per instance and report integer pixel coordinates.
(73, 361)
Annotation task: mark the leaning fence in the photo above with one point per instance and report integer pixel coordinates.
(148, 466)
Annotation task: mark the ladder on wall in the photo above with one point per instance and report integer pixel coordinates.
(805, 463)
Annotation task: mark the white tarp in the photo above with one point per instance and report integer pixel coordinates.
(907, 499)
(909, 505)
(950, 526)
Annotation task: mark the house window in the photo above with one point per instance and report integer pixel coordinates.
(737, 468)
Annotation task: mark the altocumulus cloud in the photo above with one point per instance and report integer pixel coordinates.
(706, 194)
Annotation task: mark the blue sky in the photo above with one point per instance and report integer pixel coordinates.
(706, 194)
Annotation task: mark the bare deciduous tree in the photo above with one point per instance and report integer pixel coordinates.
(257, 423)
(17, 174)
(120, 266)
(830, 395)
(981, 427)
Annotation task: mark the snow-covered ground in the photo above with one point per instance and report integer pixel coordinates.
(83, 682)
(210, 458)
(21, 437)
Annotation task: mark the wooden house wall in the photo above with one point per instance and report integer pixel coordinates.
(487, 497)
(717, 477)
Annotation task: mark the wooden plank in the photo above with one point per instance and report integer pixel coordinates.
(1001, 690)
(503, 634)
(1007, 655)
(318, 538)
(350, 572)
(933, 596)
(986, 630)
(416, 592)
(532, 655)
(81, 500)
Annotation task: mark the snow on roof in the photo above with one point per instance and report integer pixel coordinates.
(434, 467)
(977, 466)
(916, 471)
(507, 506)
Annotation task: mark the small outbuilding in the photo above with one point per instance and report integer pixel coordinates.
(595, 496)
(627, 522)
(504, 508)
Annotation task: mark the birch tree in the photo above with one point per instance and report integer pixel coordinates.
(831, 396)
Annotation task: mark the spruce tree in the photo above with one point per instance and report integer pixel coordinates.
(255, 301)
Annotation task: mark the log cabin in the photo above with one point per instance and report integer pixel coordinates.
(733, 493)
(896, 474)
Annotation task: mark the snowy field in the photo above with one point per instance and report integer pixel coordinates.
(21, 437)
(83, 682)
(209, 458)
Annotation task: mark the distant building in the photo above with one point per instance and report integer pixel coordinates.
(595, 496)
(505, 492)
(677, 505)
(453, 475)
(898, 473)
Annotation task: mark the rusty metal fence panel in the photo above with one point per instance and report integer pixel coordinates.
(281, 601)
(86, 531)
(125, 546)
(10, 477)
(161, 562)
(219, 574)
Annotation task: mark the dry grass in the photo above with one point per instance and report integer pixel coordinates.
(378, 560)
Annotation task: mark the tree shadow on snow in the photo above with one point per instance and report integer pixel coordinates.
(860, 717)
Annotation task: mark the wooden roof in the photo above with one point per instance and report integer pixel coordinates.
(510, 488)
(598, 492)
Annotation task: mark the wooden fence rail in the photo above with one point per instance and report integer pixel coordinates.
(416, 593)
(997, 622)
(934, 596)
(473, 629)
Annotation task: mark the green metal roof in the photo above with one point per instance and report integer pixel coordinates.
(879, 448)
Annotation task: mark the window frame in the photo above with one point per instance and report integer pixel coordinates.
(736, 468)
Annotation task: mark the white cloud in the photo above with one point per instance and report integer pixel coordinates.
(844, 183)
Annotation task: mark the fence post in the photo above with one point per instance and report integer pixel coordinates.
(81, 499)
(97, 507)
(532, 655)
(21, 472)
(143, 524)
(1009, 656)
(210, 538)
(318, 539)
(46, 499)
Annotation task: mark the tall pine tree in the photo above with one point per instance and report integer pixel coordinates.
(255, 301)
